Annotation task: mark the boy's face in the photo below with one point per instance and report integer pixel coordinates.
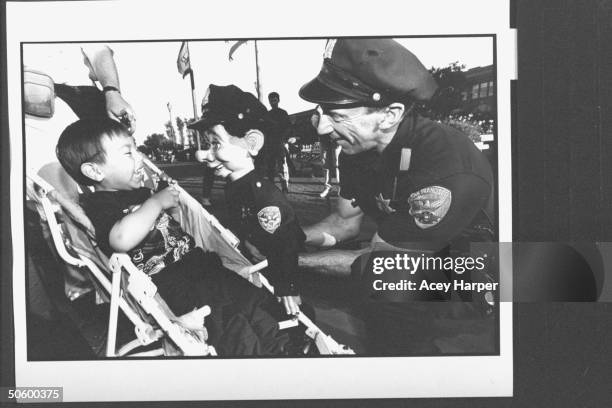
(122, 168)
(228, 154)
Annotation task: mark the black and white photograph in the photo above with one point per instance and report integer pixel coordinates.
(283, 202)
(281, 219)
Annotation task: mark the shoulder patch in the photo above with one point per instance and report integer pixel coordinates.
(269, 218)
(429, 205)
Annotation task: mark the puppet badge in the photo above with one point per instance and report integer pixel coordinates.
(269, 218)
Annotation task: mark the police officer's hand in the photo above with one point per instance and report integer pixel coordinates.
(118, 109)
(168, 197)
(292, 304)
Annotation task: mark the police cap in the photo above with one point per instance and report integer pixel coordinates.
(368, 71)
(229, 105)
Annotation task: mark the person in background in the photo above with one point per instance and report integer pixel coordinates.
(51, 105)
(330, 151)
(277, 140)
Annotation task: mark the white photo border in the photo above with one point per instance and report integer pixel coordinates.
(237, 379)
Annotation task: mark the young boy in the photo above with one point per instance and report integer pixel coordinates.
(259, 213)
(130, 218)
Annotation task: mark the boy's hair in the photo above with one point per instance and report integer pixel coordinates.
(81, 142)
(273, 94)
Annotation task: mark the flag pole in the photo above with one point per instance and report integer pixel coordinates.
(257, 79)
(195, 106)
(172, 134)
(193, 97)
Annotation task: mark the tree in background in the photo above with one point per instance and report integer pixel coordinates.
(451, 82)
(158, 146)
(159, 141)
(170, 134)
(180, 125)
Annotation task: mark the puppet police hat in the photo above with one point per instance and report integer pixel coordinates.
(228, 104)
(372, 71)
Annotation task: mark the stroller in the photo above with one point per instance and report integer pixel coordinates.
(119, 281)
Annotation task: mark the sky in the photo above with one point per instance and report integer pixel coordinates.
(149, 77)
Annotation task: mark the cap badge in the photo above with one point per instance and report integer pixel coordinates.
(384, 204)
(376, 96)
(240, 116)
(429, 205)
(269, 218)
(329, 48)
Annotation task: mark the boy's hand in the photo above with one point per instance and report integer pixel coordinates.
(167, 198)
(292, 304)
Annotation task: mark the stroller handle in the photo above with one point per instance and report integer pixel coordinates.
(152, 167)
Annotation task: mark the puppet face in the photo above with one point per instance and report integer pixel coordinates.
(228, 154)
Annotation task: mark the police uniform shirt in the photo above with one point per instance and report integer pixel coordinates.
(261, 214)
(429, 186)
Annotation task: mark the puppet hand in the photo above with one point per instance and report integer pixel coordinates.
(292, 304)
(255, 254)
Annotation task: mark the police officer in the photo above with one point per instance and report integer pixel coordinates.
(426, 185)
(259, 214)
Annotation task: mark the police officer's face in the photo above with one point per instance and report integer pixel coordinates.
(227, 154)
(354, 129)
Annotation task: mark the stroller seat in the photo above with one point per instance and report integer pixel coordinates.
(73, 238)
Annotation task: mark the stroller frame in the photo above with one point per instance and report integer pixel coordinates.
(143, 290)
(140, 287)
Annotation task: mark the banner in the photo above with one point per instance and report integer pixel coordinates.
(182, 62)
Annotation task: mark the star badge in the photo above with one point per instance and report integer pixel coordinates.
(384, 204)
(245, 212)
